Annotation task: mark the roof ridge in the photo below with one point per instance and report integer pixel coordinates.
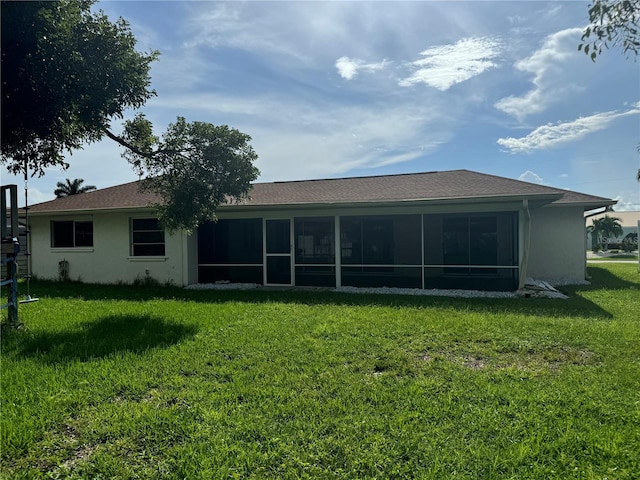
(355, 178)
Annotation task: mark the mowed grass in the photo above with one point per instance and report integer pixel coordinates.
(123, 382)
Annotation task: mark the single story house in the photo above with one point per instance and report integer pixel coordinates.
(451, 229)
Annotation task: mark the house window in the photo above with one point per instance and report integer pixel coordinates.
(71, 234)
(147, 237)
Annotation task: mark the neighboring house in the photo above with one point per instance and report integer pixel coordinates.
(628, 220)
(454, 229)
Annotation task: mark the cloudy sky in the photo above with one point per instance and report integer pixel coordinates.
(334, 89)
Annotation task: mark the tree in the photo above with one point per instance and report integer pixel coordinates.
(194, 168)
(613, 23)
(630, 242)
(605, 228)
(66, 72)
(72, 187)
(595, 244)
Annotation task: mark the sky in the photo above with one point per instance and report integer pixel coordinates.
(331, 89)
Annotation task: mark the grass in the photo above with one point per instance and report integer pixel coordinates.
(149, 382)
(616, 257)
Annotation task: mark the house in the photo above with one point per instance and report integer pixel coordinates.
(451, 229)
(629, 222)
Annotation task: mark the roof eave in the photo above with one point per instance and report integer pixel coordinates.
(86, 211)
(586, 205)
(541, 199)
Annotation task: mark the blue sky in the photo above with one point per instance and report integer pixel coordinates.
(335, 89)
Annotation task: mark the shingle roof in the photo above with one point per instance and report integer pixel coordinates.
(430, 186)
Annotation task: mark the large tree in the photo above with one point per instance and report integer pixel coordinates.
(72, 187)
(68, 71)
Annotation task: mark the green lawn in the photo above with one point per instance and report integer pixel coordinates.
(615, 258)
(123, 382)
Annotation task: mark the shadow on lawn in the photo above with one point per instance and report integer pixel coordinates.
(103, 337)
(602, 278)
(576, 306)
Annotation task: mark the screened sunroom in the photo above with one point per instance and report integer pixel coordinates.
(469, 251)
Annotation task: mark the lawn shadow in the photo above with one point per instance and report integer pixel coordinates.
(576, 306)
(603, 278)
(103, 337)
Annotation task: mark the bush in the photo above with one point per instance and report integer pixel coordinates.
(630, 242)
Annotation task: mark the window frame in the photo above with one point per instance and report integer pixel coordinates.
(76, 235)
(133, 244)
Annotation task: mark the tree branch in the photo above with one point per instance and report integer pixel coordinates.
(126, 144)
(121, 141)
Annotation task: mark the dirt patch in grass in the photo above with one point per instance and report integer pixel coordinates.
(82, 453)
(552, 358)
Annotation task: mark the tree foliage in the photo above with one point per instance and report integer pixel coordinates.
(604, 228)
(194, 168)
(613, 23)
(72, 187)
(66, 72)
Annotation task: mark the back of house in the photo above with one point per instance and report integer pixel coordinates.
(453, 229)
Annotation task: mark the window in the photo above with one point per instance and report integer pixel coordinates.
(71, 234)
(147, 237)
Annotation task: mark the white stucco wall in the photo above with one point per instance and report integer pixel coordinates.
(557, 252)
(109, 260)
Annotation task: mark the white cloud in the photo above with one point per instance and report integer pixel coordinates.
(319, 137)
(312, 30)
(549, 136)
(628, 201)
(550, 74)
(349, 67)
(443, 66)
(531, 177)
(36, 196)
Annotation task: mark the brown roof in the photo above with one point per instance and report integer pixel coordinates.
(431, 186)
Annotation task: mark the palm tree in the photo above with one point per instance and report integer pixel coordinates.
(605, 228)
(593, 231)
(72, 188)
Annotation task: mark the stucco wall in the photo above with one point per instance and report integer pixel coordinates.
(558, 242)
(557, 252)
(109, 260)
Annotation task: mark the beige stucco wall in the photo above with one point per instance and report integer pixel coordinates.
(109, 260)
(557, 252)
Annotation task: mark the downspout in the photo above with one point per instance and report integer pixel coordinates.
(527, 243)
